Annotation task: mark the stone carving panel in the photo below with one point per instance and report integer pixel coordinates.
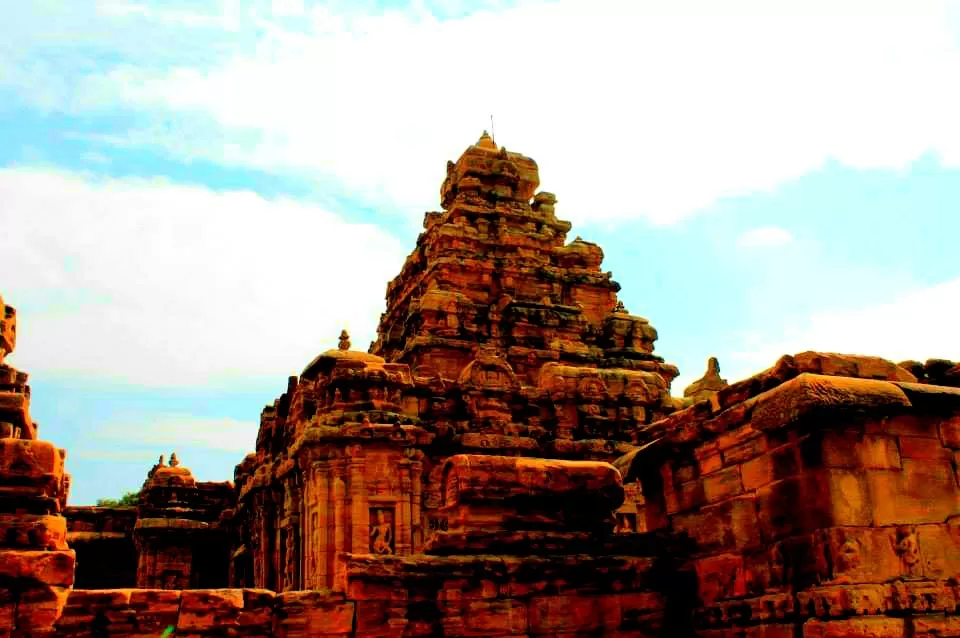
(382, 531)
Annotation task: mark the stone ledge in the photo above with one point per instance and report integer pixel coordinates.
(899, 598)
(800, 397)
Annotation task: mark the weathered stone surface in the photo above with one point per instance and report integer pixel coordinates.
(707, 385)
(36, 568)
(939, 372)
(180, 542)
(507, 461)
(8, 330)
(836, 500)
(499, 338)
(102, 538)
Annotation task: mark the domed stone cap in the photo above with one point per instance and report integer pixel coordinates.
(329, 359)
(486, 142)
(173, 475)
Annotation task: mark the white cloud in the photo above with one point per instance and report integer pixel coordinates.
(288, 8)
(769, 237)
(918, 325)
(153, 283)
(632, 109)
(182, 432)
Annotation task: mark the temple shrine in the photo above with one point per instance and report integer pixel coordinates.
(507, 459)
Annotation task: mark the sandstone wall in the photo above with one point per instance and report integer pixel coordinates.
(204, 612)
(102, 538)
(431, 597)
(823, 506)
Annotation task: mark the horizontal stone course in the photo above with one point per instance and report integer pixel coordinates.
(250, 612)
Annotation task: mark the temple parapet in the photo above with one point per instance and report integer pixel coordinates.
(823, 488)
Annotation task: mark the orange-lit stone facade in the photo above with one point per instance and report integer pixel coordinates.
(499, 338)
(36, 567)
(507, 460)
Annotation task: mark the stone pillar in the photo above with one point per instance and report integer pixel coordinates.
(337, 519)
(263, 548)
(257, 539)
(276, 534)
(416, 499)
(290, 550)
(404, 517)
(307, 508)
(319, 521)
(359, 512)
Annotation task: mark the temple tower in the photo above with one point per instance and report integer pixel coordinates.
(493, 269)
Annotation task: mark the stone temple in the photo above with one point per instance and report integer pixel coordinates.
(507, 459)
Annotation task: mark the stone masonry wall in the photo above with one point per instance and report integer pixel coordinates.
(448, 596)
(205, 612)
(102, 538)
(824, 506)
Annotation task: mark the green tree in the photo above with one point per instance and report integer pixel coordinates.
(130, 499)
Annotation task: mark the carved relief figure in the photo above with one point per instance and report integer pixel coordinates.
(777, 576)
(381, 531)
(908, 548)
(847, 557)
(626, 524)
(257, 551)
(290, 562)
(451, 489)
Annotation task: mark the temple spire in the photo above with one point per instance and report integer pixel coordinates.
(486, 141)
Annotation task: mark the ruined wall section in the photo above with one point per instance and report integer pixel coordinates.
(36, 566)
(527, 552)
(102, 538)
(822, 497)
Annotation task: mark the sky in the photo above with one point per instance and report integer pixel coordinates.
(197, 196)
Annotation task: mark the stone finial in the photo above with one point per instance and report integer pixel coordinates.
(174, 461)
(708, 384)
(486, 141)
(160, 462)
(620, 307)
(344, 340)
(713, 367)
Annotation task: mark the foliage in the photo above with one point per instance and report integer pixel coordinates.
(130, 499)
